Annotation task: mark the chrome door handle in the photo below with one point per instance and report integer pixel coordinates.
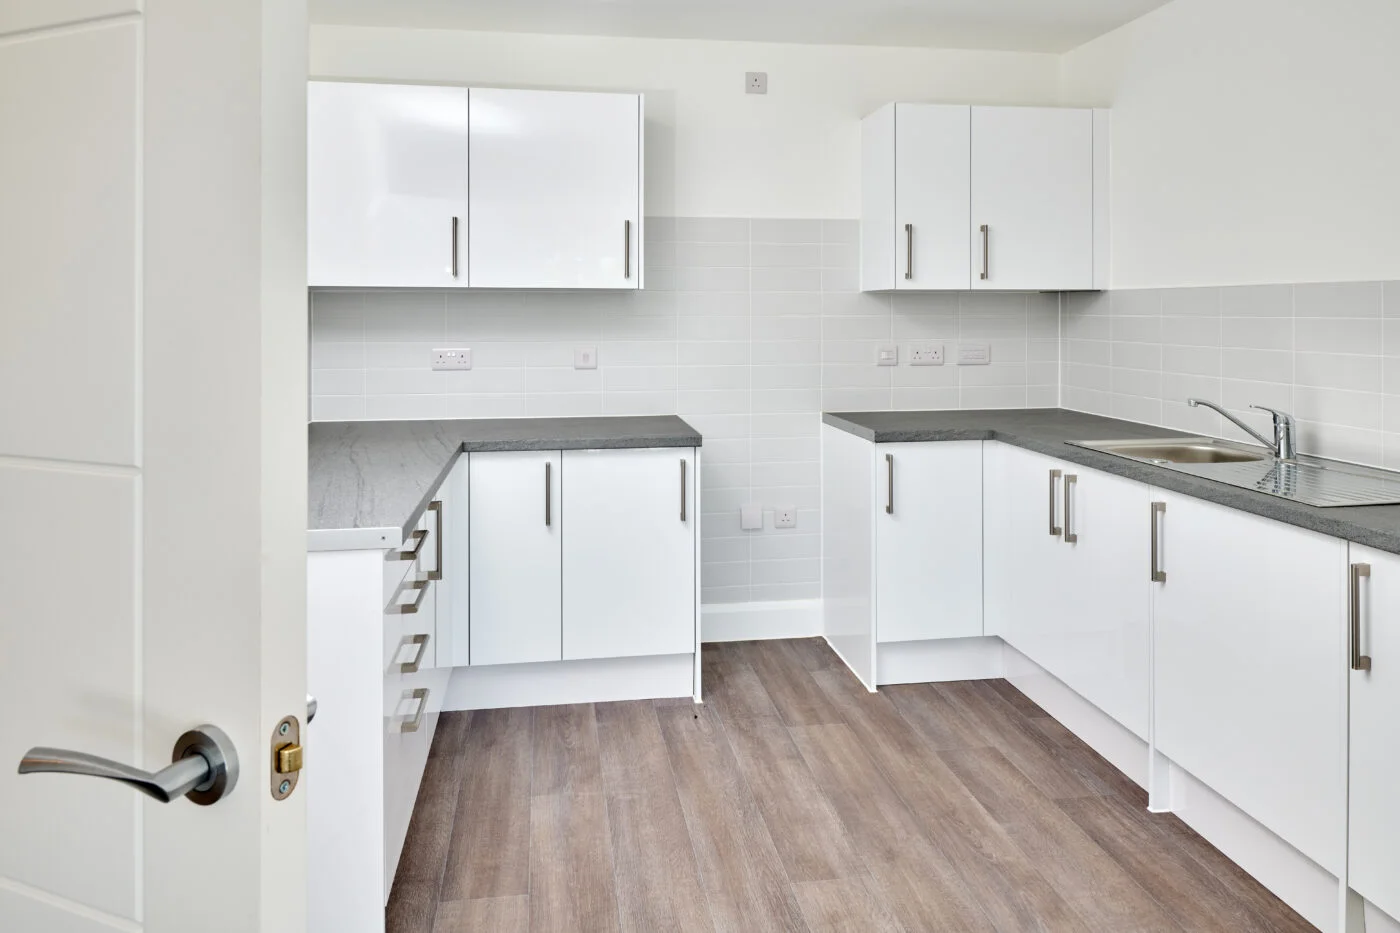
(1054, 529)
(1359, 661)
(889, 484)
(985, 251)
(396, 608)
(411, 667)
(421, 695)
(548, 492)
(455, 224)
(908, 251)
(419, 535)
(436, 507)
(204, 767)
(1158, 510)
(1070, 481)
(683, 490)
(627, 249)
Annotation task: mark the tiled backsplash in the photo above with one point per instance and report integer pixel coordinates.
(1328, 353)
(748, 329)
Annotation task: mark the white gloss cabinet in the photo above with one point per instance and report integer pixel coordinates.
(928, 540)
(516, 539)
(629, 552)
(386, 185)
(556, 189)
(1250, 667)
(1373, 661)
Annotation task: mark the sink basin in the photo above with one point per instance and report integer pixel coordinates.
(1185, 450)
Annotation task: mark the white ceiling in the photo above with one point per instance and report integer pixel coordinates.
(1019, 25)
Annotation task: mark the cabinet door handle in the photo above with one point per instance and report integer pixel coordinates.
(889, 484)
(421, 695)
(420, 587)
(908, 251)
(683, 490)
(411, 667)
(986, 249)
(1359, 661)
(455, 224)
(548, 491)
(436, 507)
(627, 249)
(1054, 528)
(1070, 481)
(419, 535)
(1158, 510)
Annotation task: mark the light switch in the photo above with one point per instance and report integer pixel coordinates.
(887, 355)
(974, 354)
(751, 517)
(585, 358)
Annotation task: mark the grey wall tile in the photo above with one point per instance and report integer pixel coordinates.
(1338, 299)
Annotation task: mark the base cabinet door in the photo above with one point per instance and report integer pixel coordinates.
(1249, 633)
(928, 540)
(1374, 835)
(629, 553)
(1024, 554)
(516, 531)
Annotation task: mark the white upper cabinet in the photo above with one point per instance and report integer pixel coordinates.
(1032, 198)
(555, 189)
(935, 175)
(386, 185)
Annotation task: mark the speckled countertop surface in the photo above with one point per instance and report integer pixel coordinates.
(369, 481)
(1046, 431)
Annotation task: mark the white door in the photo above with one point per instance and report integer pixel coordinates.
(1024, 553)
(1098, 640)
(928, 541)
(555, 189)
(1249, 657)
(386, 185)
(1375, 732)
(932, 187)
(151, 183)
(516, 521)
(1033, 192)
(629, 553)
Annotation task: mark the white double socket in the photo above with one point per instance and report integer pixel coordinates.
(453, 359)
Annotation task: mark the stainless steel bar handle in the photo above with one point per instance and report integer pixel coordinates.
(908, 251)
(627, 249)
(421, 695)
(417, 584)
(436, 508)
(1054, 480)
(986, 250)
(683, 489)
(455, 225)
(548, 492)
(1359, 661)
(421, 642)
(889, 484)
(1070, 481)
(1158, 510)
(419, 535)
(204, 767)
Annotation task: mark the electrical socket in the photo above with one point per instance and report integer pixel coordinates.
(585, 358)
(755, 82)
(926, 354)
(452, 359)
(784, 516)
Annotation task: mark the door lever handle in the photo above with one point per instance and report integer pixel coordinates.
(204, 767)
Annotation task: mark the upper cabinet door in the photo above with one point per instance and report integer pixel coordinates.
(932, 187)
(1032, 224)
(555, 189)
(386, 185)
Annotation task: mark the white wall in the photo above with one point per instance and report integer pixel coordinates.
(1254, 141)
(712, 150)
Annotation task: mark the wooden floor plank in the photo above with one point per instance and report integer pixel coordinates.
(796, 695)
(1092, 767)
(815, 654)
(844, 906)
(451, 735)
(411, 907)
(632, 753)
(740, 870)
(484, 915)
(490, 851)
(424, 855)
(943, 725)
(572, 884)
(566, 750)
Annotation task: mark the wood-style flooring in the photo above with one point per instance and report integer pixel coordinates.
(795, 800)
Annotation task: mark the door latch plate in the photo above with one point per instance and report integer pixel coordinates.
(286, 757)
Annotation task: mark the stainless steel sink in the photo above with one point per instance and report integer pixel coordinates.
(1311, 480)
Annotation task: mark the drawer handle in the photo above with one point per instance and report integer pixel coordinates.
(407, 609)
(1359, 661)
(683, 490)
(419, 536)
(411, 667)
(1158, 510)
(889, 484)
(1070, 481)
(436, 507)
(908, 251)
(416, 721)
(1054, 479)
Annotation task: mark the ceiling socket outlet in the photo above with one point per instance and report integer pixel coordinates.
(446, 360)
(784, 516)
(926, 354)
(756, 82)
(585, 358)
(886, 355)
(974, 354)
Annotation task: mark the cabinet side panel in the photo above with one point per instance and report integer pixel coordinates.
(848, 596)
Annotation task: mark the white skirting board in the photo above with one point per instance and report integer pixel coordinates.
(924, 662)
(553, 683)
(788, 618)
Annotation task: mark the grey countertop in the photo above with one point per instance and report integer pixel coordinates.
(1046, 431)
(369, 481)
